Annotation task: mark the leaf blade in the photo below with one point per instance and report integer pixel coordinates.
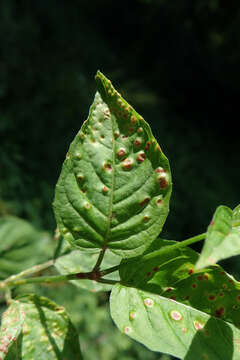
(222, 238)
(115, 184)
(171, 274)
(11, 327)
(170, 327)
(47, 332)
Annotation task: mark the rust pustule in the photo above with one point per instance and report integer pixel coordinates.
(133, 119)
(116, 134)
(141, 157)
(160, 170)
(137, 142)
(145, 201)
(127, 164)
(220, 312)
(163, 182)
(159, 202)
(121, 152)
(107, 167)
(147, 145)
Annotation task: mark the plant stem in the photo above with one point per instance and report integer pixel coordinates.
(41, 279)
(178, 245)
(15, 280)
(109, 270)
(108, 281)
(53, 279)
(31, 271)
(99, 260)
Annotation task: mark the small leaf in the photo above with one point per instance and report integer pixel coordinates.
(170, 273)
(18, 238)
(84, 261)
(223, 237)
(47, 332)
(11, 327)
(115, 184)
(167, 326)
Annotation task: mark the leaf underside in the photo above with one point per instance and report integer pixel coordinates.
(186, 299)
(223, 237)
(115, 184)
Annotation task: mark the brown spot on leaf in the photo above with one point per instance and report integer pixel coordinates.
(160, 170)
(107, 167)
(147, 145)
(145, 201)
(127, 164)
(163, 182)
(190, 271)
(137, 142)
(116, 134)
(133, 119)
(141, 157)
(220, 311)
(212, 297)
(121, 152)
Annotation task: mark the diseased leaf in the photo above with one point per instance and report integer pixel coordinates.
(171, 327)
(223, 237)
(18, 238)
(11, 327)
(115, 184)
(46, 332)
(170, 273)
(83, 261)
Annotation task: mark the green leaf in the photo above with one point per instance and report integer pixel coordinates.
(83, 261)
(170, 273)
(115, 184)
(46, 332)
(223, 237)
(11, 327)
(171, 327)
(18, 238)
(169, 306)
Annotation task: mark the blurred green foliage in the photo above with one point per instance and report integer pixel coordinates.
(176, 62)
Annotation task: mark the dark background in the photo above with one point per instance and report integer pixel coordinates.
(177, 62)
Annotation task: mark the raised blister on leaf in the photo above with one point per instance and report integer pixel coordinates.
(222, 238)
(110, 171)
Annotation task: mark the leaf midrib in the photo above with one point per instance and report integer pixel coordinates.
(112, 187)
